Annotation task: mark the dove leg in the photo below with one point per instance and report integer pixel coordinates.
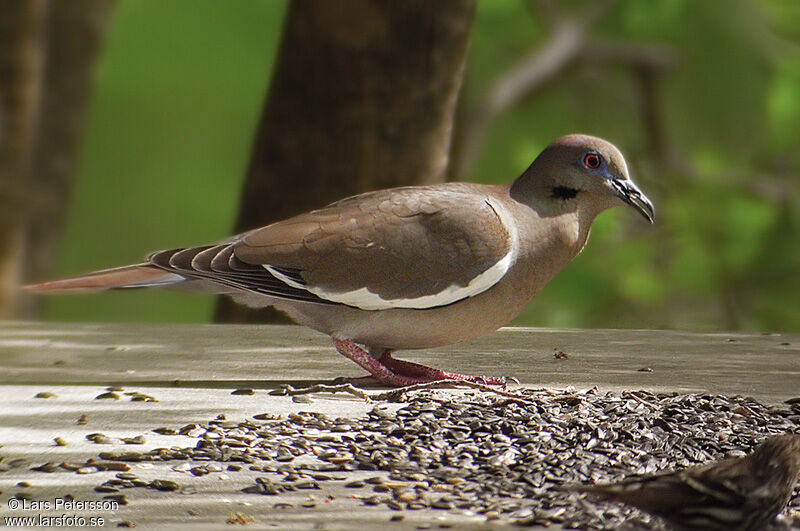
(429, 374)
(399, 373)
(369, 363)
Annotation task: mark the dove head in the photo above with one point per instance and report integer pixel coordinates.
(580, 171)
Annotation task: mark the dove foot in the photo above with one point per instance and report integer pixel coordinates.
(399, 373)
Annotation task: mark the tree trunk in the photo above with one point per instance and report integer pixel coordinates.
(47, 52)
(362, 98)
(21, 28)
(75, 31)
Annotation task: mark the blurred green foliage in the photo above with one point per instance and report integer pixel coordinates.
(181, 84)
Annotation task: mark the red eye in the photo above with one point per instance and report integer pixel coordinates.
(592, 161)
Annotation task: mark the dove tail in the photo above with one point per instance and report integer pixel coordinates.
(134, 276)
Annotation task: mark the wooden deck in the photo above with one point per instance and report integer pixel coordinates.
(192, 370)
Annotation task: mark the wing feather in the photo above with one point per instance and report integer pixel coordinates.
(416, 247)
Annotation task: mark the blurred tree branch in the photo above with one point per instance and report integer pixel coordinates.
(568, 44)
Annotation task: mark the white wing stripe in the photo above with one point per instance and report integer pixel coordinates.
(283, 278)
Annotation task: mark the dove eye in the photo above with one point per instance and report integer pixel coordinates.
(592, 161)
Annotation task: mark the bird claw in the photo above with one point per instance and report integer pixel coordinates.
(502, 381)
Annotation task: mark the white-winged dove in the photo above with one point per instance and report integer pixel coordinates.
(406, 268)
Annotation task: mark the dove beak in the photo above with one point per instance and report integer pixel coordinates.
(632, 195)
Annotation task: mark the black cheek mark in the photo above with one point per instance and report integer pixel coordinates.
(564, 192)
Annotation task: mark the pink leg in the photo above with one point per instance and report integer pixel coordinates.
(430, 374)
(398, 373)
(366, 361)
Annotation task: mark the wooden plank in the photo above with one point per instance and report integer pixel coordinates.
(192, 370)
(765, 366)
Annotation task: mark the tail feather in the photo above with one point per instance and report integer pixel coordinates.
(134, 276)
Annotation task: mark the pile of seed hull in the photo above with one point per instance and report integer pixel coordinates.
(481, 453)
